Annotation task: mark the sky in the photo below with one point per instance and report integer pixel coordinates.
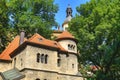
(61, 14)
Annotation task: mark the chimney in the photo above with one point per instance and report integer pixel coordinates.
(22, 35)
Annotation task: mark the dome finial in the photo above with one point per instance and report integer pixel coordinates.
(69, 11)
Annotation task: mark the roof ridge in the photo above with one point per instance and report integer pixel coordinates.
(36, 34)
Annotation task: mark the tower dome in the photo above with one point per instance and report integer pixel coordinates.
(68, 17)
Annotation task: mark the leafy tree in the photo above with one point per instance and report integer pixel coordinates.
(30, 15)
(3, 24)
(97, 28)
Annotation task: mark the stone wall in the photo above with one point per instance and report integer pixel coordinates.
(70, 77)
(42, 75)
(64, 44)
(4, 66)
(31, 59)
(1, 77)
(69, 64)
(19, 60)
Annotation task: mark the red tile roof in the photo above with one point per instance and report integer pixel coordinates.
(36, 39)
(65, 35)
(11, 47)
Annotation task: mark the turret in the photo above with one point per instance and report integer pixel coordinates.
(67, 41)
(68, 18)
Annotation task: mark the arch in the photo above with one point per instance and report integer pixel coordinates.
(42, 58)
(69, 47)
(46, 59)
(58, 62)
(72, 65)
(14, 62)
(37, 79)
(73, 47)
(38, 57)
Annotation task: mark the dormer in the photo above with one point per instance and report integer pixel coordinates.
(67, 41)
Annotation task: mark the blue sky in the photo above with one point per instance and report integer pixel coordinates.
(61, 14)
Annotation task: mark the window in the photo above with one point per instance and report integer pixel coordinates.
(40, 39)
(71, 47)
(46, 59)
(21, 62)
(58, 62)
(37, 79)
(72, 65)
(14, 62)
(58, 55)
(42, 58)
(67, 55)
(38, 57)
(74, 47)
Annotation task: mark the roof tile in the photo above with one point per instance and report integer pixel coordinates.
(65, 35)
(9, 49)
(36, 38)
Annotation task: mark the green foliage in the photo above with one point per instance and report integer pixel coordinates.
(97, 28)
(3, 24)
(30, 15)
(33, 14)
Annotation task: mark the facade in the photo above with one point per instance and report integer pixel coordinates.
(38, 58)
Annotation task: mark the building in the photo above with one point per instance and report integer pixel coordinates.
(38, 58)
(68, 18)
(65, 23)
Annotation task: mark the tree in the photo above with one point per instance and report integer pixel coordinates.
(97, 28)
(31, 15)
(3, 24)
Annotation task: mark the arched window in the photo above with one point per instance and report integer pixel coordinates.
(58, 62)
(46, 59)
(37, 79)
(38, 57)
(71, 47)
(72, 65)
(74, 47)
(14, 62)
(42, 58)
(68, 46)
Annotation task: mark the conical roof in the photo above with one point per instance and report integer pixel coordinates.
(65, 35)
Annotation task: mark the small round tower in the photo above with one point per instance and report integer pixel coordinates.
(68, 42)
(69, 62)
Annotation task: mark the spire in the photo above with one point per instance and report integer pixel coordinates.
(69, 11)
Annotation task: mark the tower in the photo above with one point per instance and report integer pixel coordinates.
(68, 18)
(69, 11)
(69, 63)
